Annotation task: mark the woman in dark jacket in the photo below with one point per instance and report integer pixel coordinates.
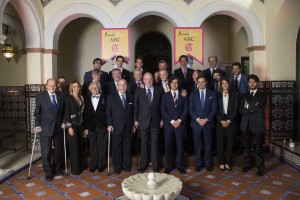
(226, 124)
(73, 116)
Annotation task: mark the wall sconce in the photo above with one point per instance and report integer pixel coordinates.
(8, 51)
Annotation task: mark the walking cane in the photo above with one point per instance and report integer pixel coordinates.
(65, 149)
(32, 150)
(108, 149)
(137, 150)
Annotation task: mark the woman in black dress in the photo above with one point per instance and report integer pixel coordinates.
(226, 124)
(73, 116)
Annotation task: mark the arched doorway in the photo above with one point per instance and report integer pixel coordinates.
(153, 47)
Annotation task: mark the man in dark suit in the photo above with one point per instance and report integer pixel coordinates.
(136, 83)
(252, 108)
(138, 64)
(97, 63)
(202, 108)
(185, 74)
(94, 115)
(112, 86)
(212, 60)
(120, 123)
(147, 117)
(163, 84)
(48, 115)
(96, 78)
(174, 108)
(125, 74)
(238, 81)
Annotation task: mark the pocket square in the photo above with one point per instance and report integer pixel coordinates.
(210, 97)
(130, 103)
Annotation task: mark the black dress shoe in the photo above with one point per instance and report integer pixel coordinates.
(127, 169)
(117, 171)
(260, 172)
(101, 169)
(167, 170)
(92, 169)
(246, 169)
(142, 169)
(209, 169)
(198, 169)
(181, 170)
(49, 178)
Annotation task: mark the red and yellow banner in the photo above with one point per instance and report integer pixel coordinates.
(189, 41)
(113, 42)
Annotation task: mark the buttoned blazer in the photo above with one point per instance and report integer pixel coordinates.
(119, 116)
(45, 116)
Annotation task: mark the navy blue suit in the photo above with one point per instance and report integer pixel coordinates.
(243, 86)
(169, 113)
(202, 132)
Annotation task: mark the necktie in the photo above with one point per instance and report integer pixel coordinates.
(123, 100)
(149, 96)
(138, 84)
(166, 87)
(53, 102)
(184, 73)
(202, 98)
(236, 86)
(175, 99)
(216, 87)
(252, 94)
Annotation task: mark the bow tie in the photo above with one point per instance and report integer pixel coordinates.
(96, 96)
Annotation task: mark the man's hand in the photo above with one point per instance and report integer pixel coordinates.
(86, 132)
(71, 131)
(136, 125)
(202, 122)
(63, 126)
(246, 104)
(161, 123)
(176, 123)
(37, 129)
(110, 128)
(224, 123)
(183, 93)
(133, 129)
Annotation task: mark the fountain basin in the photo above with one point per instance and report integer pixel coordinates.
(168, 187)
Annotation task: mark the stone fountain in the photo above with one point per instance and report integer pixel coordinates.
(152, 186)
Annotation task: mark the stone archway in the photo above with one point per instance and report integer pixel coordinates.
(153, 47)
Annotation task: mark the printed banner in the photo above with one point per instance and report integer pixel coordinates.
(113, 42)
(189, 41)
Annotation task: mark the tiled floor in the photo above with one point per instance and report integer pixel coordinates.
(281, 181)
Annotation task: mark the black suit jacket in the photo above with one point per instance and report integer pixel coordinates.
(187, 83)
(73, 111)
(144, 112)
(45, 116)
(110, 87)
(92, 118)
(124, 75)
(117, 115)
(88, 76)
(132, 80)
(131, 88)
(208, 75)
(253, 116)
(232, 108)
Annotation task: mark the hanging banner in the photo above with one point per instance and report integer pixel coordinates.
(189, 41)
(114, 42)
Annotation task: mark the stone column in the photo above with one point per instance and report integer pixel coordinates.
(257, 62)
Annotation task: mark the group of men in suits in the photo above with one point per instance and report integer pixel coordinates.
(134, 102)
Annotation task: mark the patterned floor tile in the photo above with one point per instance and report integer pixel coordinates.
(109, 185)
(266, 192)
(69, 185)
(212, 177)
(218, 192)
(236, 184)
(85, 193)
(31, 184)
(117, 193)
(248, 197)
(195, 185)
(296, 189)
(41, 193)
(5, 191)
(280, 184)
(292, 196)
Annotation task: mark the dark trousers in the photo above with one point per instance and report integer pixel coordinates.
(225, 143)
(121, 148)
(149, 136)
(46, 145)
(75, 148)
(172, 133)
(98, 148)
(259, 151)
(202, 135)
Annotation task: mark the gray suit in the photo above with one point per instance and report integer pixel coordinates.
(50, 122)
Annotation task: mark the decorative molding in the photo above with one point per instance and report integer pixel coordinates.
(188, 1)
(256, 48)
(41, 50)
(115, 2)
